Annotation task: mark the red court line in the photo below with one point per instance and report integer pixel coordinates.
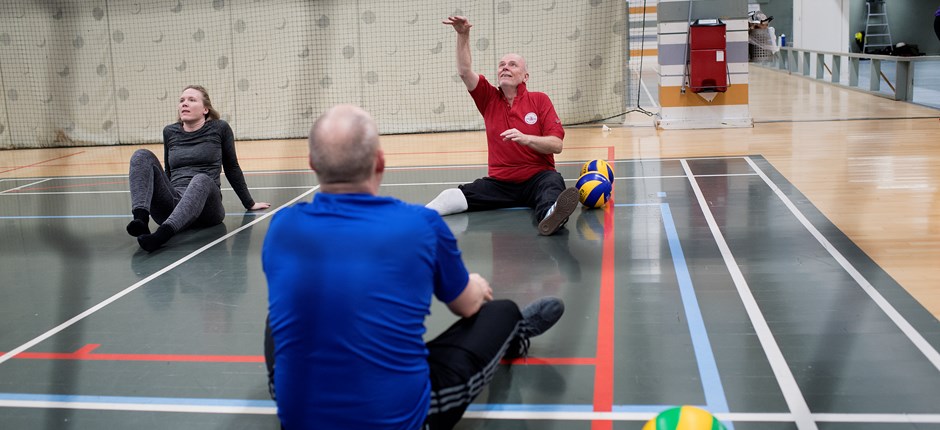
(538, 361)
(281, 172)
(289, 157)
(31, 189)
(41, 162)
(91, 163)
(424, 168)
(86, 353)
(604, 370)
(106, 163)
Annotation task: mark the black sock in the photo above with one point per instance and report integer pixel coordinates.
(151, 242)
(140, 224)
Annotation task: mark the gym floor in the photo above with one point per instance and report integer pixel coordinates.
(710, 280)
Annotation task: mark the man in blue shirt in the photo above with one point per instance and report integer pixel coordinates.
(350, 279)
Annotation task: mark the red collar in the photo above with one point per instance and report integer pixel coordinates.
(520, 91)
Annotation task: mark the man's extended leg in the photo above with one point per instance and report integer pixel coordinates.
(553, 203)
(449, 201)
(465, 357)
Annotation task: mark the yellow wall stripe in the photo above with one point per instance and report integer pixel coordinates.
(673, 97)
(639, 9)
(645, 52)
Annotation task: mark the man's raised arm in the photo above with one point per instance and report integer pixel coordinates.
(464, 63)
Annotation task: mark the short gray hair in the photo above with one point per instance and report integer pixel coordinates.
(343, 143)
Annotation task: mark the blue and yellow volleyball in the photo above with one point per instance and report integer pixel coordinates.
(594, 189)
(599, 166)
(684, 418)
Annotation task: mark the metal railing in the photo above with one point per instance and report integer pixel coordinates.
(801, 61)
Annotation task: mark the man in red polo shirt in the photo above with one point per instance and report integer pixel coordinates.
(523, 133)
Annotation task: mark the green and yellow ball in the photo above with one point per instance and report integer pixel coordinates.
(684, 418)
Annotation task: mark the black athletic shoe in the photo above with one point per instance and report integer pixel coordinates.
(558, 215)
(537, 317)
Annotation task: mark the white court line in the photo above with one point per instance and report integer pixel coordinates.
(742, 417)
(656, 160)
(409, 184)
(18, 179)
(437, 167)
(557, 163)
(721, 175)
(721, 157)
(26, 185)
(21, 179)
(404, 184)
(124, 176)
(253, 172)
(649, 95)
(889, 310)
(737, 417)
(43, 193)
(74, 177)
(778, 364)
(56, 193)
(10, 354)
(878, 418)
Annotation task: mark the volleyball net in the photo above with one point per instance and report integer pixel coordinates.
(105, 72)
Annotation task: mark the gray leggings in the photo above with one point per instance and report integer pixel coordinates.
(199, 204)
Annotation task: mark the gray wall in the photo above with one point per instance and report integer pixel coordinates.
(911, 21)
(679, 11)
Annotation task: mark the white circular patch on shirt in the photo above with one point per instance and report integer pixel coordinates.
(531, 118)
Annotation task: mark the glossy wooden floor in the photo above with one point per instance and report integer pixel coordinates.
(871, 165)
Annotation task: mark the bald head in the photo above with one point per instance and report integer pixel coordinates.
(517, 58)
(344, 143)
(511, 71)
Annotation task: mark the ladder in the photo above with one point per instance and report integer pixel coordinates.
(877, 32)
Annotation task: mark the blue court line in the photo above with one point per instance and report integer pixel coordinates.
(708, 369)
(704, 356)
(516, 407)
(128, 216)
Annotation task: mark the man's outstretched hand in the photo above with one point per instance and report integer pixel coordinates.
(461, 24)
